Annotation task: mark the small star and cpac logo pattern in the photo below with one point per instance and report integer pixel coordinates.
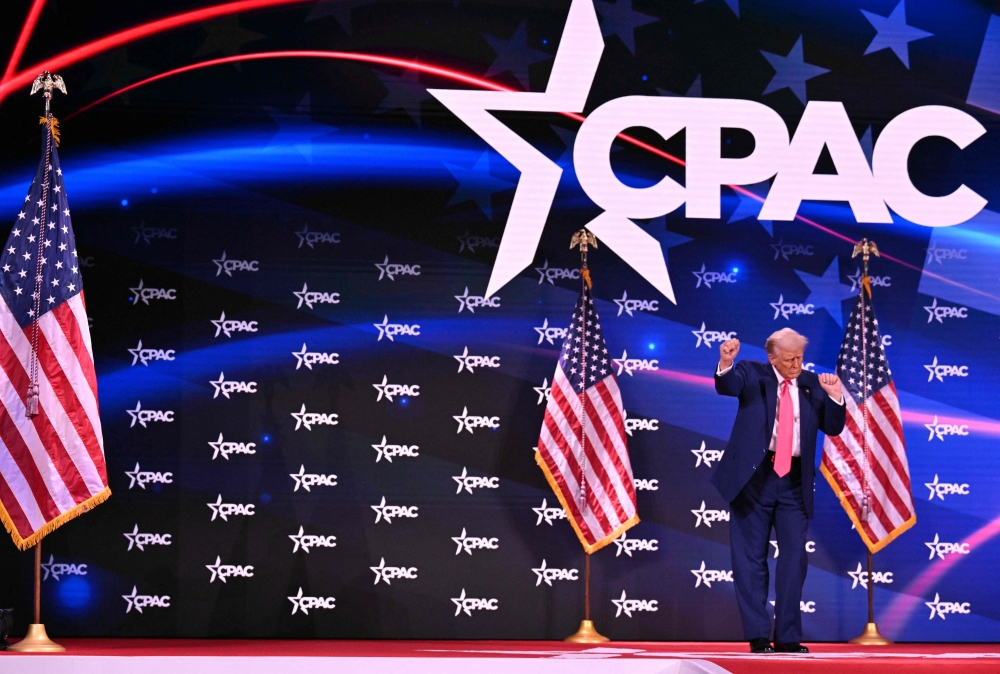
(877, 281)
(706, 517)
(310, 239)
(783, 250)
(143, 417)
(137, 476)
(939, 372)
(709, 576)
(630, 545)
(710, 337)
(707, 278)
(391, 391)
(544, 391)
(629, 306)
(942, 489)
(387, 574)
(470, 243)
(469, 482)
(939, 548)
(646, 485)
(304, 541)
(224, 571)
(553, 274)
(547, 514)
(391, 271)
(306, 604)
(308, 480)
(939, 255)
(639, 424)
(226, 388)
(141, 601)
(942, 608)
(309, 298)
(467, 544)
(147, 234)
(141, 355)
(472, 302)
(389, 452)
(938, 313)
(144, 294)
(470, 363)
(224, 510)
(310, 358)
(391, 330)
(630, 365)
(786, 309)
(860, 577)
(309, 419)
(707, 457)
(469, 423)
(227, 265)
(141, 540)
(467, 605)
(56, 570)
(550, 334)
(939, 430)
(228, 327)
(628, 606)
(804, 606)
(548, 574)
(386, 513)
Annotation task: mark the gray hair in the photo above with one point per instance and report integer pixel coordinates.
(785, 338)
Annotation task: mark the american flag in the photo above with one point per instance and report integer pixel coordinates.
(51, 464)
(583, 449)
(881, 471)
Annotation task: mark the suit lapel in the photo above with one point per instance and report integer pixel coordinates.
(770, 384)
(804, 405)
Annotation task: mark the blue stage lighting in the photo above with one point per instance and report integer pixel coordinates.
(124, 202)
(74, 592)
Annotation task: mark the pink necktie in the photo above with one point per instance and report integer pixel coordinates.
(786, 422)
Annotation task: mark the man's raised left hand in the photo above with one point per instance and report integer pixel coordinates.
(831, 384)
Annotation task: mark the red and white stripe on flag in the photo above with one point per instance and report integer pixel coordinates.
(51, 466)
(593, 479)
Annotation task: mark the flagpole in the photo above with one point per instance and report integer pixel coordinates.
(587, 633)
(870, 636)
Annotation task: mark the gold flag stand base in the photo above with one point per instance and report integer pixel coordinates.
(587, 634)
(37, 641)
(871, 637)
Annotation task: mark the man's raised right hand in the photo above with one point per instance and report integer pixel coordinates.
(727, 353)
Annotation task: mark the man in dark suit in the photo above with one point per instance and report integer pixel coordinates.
(767, 475)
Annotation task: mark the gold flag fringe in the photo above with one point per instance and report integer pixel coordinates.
(29, 542)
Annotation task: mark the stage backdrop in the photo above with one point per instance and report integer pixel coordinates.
(316, 425)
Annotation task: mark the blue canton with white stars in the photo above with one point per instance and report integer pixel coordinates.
(574, 358)
(863, 334)
(60, 271)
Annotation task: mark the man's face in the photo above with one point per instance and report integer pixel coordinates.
(788, 362)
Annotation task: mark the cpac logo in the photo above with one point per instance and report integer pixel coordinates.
(861, 577)
(639, 424)
(147, 234)
(389, 390)
(305, 541)
(142, 478)
(145, 416)
(942, 489)
(228, 327)
(941, 371)
(940, 548)
(390, 271)
(786, 309)
(140, 540)
(145, 294)
(307, 480)
(306, 604)
(710, 277)
(226, 387)
(307, 419)
(706, 517)
(553, 274)
(942, 608)
(141, 601)
(880, 281)
(646, 485)
(630, 365)
(388, 573)
(470, 543)
(311, 298)
(468, 482)
(141, 355)
(470, 302)
(804, 606)
(223, 571)
(630, 545)
(940, 430)
(469, 422)
(224, 510)
(626, 606)
(392, 451)
(628, 306)
(56, 570)
(544, 391)
(870, 189)
(709, 576)
(390, 330)
(470, 604)
(547, 575)
(387, 512)
(810, 547)
(783, 250)
(707, 456)
(548, 515)
(471, 362)
(939, 255)
(312, 238)
(229, 266)
(550, 334)
(224, 448)
(710, 337)
(310, 358)
(467, 241)
(939, 313)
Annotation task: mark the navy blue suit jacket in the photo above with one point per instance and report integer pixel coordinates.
(756, 386)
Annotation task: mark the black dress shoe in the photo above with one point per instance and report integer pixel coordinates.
(760, 646)
(789, 648)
